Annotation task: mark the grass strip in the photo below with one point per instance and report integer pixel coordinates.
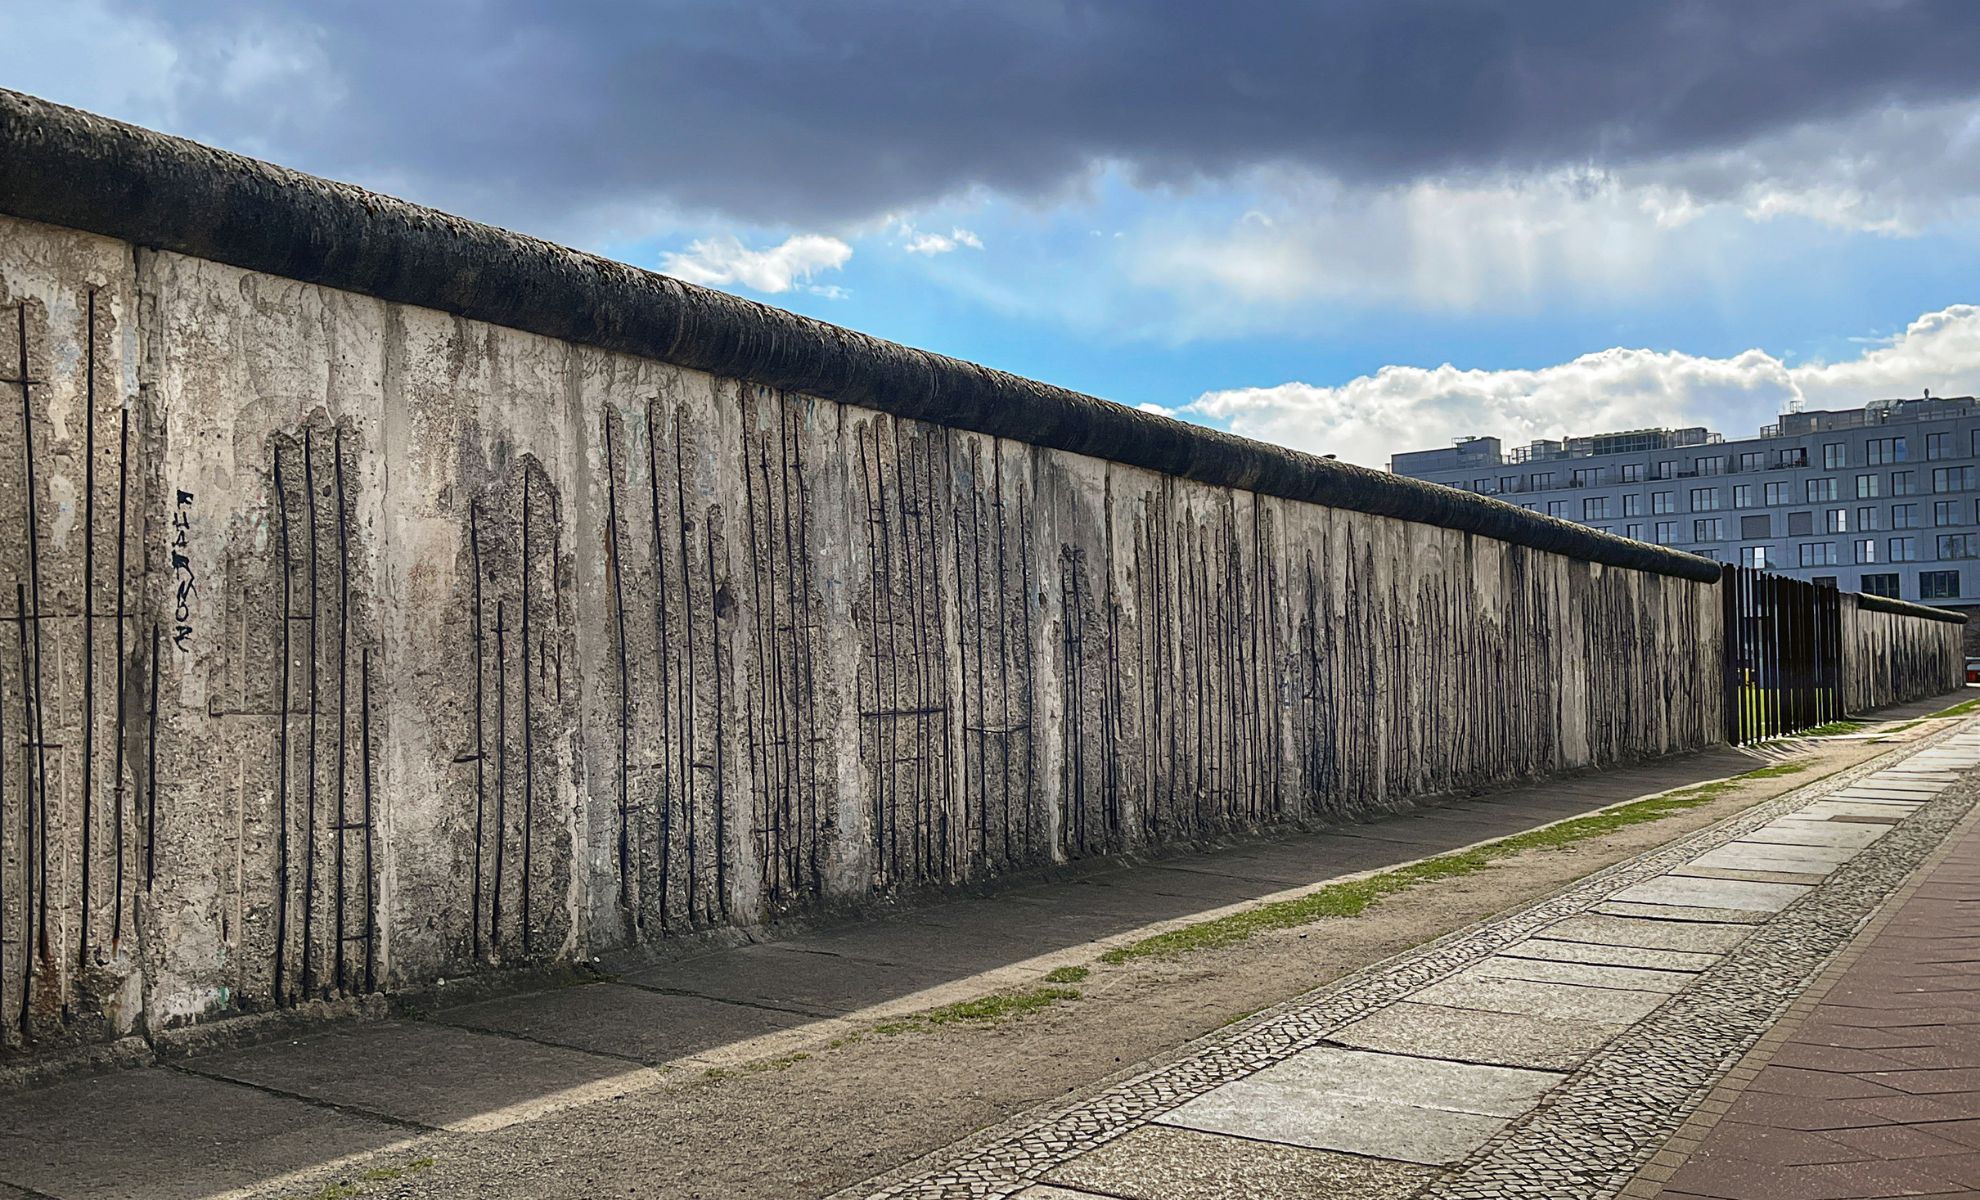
(1958, 710)
(1831, 729)
(1352, 897)
(984, 1010)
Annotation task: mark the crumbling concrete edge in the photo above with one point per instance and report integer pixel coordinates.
(65, 167)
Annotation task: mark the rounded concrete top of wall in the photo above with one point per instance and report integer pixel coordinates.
(65, 167)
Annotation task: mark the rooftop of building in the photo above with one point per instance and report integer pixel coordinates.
(1490, 451)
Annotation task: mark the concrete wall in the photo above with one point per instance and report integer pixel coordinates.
(583, 650)
(393, 598)
(1894, 652)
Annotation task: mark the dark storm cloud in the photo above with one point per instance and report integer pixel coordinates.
(809, 112)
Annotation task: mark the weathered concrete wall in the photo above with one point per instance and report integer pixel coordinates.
(356, 643)
(1894, 652)
(475, 647)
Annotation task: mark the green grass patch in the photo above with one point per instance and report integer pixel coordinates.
(1067, 974)
(781, 1062)
(1775, 771)
(1353, 897)
(345, 1189)
(1957, 710)
(1832, 729)
(984, 1010)
(1901, 728)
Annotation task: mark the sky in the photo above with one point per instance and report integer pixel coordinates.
(1349, 226)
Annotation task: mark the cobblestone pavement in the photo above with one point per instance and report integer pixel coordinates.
(1871, 1085)
(1549, 1052)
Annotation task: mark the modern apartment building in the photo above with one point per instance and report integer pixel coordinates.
(1883, 498)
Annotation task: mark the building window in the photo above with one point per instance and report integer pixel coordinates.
(1827, 581)
(1667, 469)
(1557, 508)
(1508, 483)
(1633, 532)
(1903, 549)
(1959, 545)
(1866, 486)
(1667, 533)
(1751, 462)
(1821, 489)
(1742, 495)
(1758, 525)
(1818, 554)
(1945, 512)
(1901, 484)
(1541, 480)
(1663, 502)
(1801, 524)
(1633, 504)
(1879, 585)
(1797, 457)
(1585, 477)
(1711, 529)
(1837, 520)
(1866, 550)
(1833, 456)
(1595, 508)
(1939, 445)
(1869, 518)
(1953, 479)
(1482, 486)
(1632, 472)
(1754, 557)
(1904, 516)
(1704, 499)
(1938, 585)
(1885, 450)
(1714, 465)
(1777, 493)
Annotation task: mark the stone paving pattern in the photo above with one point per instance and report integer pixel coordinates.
(1545, 1054)
(1873, 1090)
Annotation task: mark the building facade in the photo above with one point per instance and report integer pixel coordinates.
(1882, 499)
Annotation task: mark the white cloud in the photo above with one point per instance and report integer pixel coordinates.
(723, 260)
(1412, 408)
(935, 243)
(1509, 241)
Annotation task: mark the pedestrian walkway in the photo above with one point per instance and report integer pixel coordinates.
(240, 1120)
(1871, 1086)
(1551, 1052)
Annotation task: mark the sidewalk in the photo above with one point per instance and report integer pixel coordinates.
(1871, 1086)
(1551, 1052)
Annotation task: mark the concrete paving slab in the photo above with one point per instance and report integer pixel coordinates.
(161, 1134)
(1411, 1080)
(1813, 833)
(1761, 856)
(1713, 893)
(1478, 1035)
(1803, 877)
(1161, 1162)
(628, 1022)
(1635, 979)
(1692, 937)
(1606, 1006)
(418, 1072)
(1677, 912)
(784, 977)
(1346, 1123)
(1552, 950)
